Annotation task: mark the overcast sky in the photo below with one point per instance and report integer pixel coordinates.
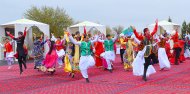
(139, 13)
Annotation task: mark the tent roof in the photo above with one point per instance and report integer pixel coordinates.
(86, 23)
(23, 21)
(164, 22)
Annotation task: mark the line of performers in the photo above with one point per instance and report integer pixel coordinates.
(139, 52)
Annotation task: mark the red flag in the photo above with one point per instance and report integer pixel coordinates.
(84, 30)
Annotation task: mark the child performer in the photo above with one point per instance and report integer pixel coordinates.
(8, 45)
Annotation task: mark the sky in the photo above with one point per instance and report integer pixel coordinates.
(139, 13)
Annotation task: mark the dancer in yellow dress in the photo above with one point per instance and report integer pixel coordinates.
(128, 55)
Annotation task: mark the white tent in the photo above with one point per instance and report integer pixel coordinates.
(169, 27)
(165, 25)
(89, 25)
(20, 24)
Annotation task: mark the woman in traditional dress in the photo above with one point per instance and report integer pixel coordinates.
(187, 52)
(177, 49)
(76, 57)
(59, 49)
(182, 45)
(37, 52)
(50, 60)
(99, 49)
(128, 55)
(162, 56)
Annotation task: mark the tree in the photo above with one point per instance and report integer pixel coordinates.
(108, 30)
(184, 28)
(188, 28)
(169, 19)
(55, 17)
(118, 29)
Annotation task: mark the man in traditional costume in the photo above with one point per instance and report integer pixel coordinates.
(147, 41)
(20, 49)
(109, 54)
(86, 60)
(122, 41)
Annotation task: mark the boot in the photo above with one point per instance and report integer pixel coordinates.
(35, 67)
(144, 78)
(73, 75)
(110, 70)
(176, 61)
(87, 80)
(21, 71)
(144, 74)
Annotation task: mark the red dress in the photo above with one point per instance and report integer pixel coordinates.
(98, 50)
(176, 45)
(182, 57)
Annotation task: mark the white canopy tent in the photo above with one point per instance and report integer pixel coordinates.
(19, 25)
(169, 27)
(89, 25)
(165, 25)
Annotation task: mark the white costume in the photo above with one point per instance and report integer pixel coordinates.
(109, 54)
(86, 60)
(163, 58)
(138, 65)
(187, 53)
(9, 53)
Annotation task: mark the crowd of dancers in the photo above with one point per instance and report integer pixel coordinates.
(139, 51)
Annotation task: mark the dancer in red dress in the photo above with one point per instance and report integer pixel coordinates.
(177, 50)
(182, 57)
(98, 50)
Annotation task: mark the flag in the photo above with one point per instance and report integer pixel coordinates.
(66, 35)
(84, 30)
(128, 31)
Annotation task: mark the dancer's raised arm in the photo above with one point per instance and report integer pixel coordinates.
(100, 40)
(95, 40)
(2, 45)
(139, 37)
(155, 28)
(25, 31)
(115, 37)
(10, 35)
(73, 40)
(53, 37)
